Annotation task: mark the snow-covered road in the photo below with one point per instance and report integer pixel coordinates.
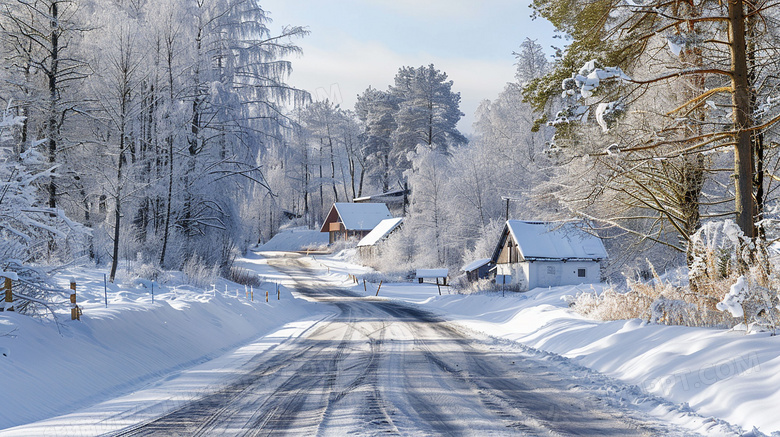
(382, 367)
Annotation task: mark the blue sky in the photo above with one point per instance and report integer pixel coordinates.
(354, 44)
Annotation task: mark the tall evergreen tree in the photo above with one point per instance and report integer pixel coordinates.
(428, 112)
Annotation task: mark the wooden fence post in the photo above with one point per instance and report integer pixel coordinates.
(9, 297)
(377, 288)
(364, 285)
(75, 311)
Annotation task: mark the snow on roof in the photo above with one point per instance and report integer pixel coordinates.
(292, 240)
(432, 273)
(382, 230)
(361, 216)
(555, 241)
(475, 265)
(386, 194)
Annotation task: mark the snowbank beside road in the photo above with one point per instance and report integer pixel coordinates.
(716, 373)
(133, 341)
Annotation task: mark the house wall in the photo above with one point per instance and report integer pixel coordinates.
(518, 271)
(529, 275)
(555, 273)
(367, 253)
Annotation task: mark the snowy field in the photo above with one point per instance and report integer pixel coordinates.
(721, 374)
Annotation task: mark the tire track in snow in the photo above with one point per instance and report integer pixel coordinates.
(382, 367)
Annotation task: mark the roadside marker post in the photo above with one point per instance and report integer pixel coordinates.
(9, 296)
(75, 311)
(377, 288)
(266, 295)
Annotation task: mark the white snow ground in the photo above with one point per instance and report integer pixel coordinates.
(136, 360)
(187, 342)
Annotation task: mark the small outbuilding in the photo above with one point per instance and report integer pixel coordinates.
(479, 269)
(347, 220)
(547, 254)
(438, 275)
(368, 246)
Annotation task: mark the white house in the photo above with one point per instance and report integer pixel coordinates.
(353, 219)
(544, 254)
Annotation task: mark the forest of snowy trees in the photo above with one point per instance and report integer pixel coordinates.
(165, 133)
(150, 123)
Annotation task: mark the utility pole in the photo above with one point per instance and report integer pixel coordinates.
(507, 199)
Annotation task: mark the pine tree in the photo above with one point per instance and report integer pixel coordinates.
(428, 112)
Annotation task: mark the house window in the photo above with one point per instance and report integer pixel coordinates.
(550, 270)
(581, 273)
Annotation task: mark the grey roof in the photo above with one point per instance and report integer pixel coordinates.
(362, 216)
(546, 240)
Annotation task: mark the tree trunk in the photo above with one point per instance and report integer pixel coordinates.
(169, 142)
(117, 207)
(743, 156)
(52, 123)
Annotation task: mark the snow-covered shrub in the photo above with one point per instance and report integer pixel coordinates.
(655, 301)
(480, 286)
(148, 271)
(243, 276)
(198, 272)
(724, 258)
(34, 239)
(733, 301)
(729, 282)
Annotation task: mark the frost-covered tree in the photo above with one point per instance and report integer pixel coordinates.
(429, 177)
(419, 108)
(236, 100)
(41, 39)
(531, 62)
(428, 112)
(121, 77)
(688, 89)
(376, 110)
(29, 228)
